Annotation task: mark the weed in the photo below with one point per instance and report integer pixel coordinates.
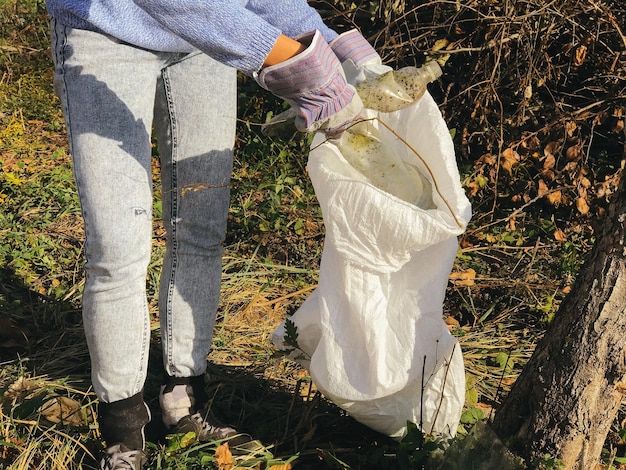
(547, 462)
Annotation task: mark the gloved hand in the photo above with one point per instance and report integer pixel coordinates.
(359, 59)
(312, 82)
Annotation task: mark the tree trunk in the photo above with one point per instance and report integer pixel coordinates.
(568, 395)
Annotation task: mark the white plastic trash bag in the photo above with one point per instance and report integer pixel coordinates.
(372, 334)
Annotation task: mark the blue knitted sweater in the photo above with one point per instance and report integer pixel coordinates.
(239, 33)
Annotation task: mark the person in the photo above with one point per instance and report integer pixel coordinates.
(124, 69)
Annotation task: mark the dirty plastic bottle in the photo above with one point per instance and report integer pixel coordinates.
(397, 89)
(383, 168)
(363, 147)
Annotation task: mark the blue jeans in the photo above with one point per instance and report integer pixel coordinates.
(113, 95)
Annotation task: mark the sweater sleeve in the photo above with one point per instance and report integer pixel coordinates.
(293, 17)
(237, 35)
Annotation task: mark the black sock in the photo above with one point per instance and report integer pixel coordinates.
(123, 422)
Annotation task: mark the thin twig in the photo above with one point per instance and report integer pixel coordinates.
(430, 172)
(519, 210)
(422, 396)
(490, 45)
(417, 154)
(443, 388)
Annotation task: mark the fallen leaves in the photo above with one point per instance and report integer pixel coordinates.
(560, 236)
(555, 197)
(549, 153)
(463, 278)
(555, 168)
(582, 206)
(64, 410)
(510, 158)
(618, 114)
(452, 323)
(35, 398)
(224, 457)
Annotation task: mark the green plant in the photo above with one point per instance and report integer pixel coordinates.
(547, 462)
(417, 450)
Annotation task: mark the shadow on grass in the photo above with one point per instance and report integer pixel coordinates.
(43, 338)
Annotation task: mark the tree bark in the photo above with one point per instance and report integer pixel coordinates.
(569, 393)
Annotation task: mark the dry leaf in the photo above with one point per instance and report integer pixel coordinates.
(463, 278)
(301, 374)
(580, 55)
(473, 188)
(582, 206)
(570, 128)
(507, 380)
(573, 153)
(486, 158)
(440, 44)
(555, 198)
(510, 158)
(487, 408)
(223, 457)
(453, 323)
(584, 182)
(23, 384)
(548, 175)
(542, 188)
(63, 410)
(465, 242)
(618, 113)
(528, 92)
(285, 466)
(531, 143)
(566, 289)
(599, 118)
(559, 235)
(549, 162)
(551, 148)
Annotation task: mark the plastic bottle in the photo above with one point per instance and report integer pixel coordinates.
(397, 89)
(363, 146)
(384, 169)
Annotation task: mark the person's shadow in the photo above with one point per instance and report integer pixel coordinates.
(43, 337)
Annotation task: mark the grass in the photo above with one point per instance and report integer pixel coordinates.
(514, 271)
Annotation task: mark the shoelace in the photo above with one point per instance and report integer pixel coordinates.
(120, 460)
(215, 432)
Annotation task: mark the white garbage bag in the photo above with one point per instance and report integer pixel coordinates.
(372, 334)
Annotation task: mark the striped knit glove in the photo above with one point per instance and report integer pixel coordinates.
(312, 82)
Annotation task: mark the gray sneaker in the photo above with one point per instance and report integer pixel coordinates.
(182, 401)
(207, 429)
(118, 457)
